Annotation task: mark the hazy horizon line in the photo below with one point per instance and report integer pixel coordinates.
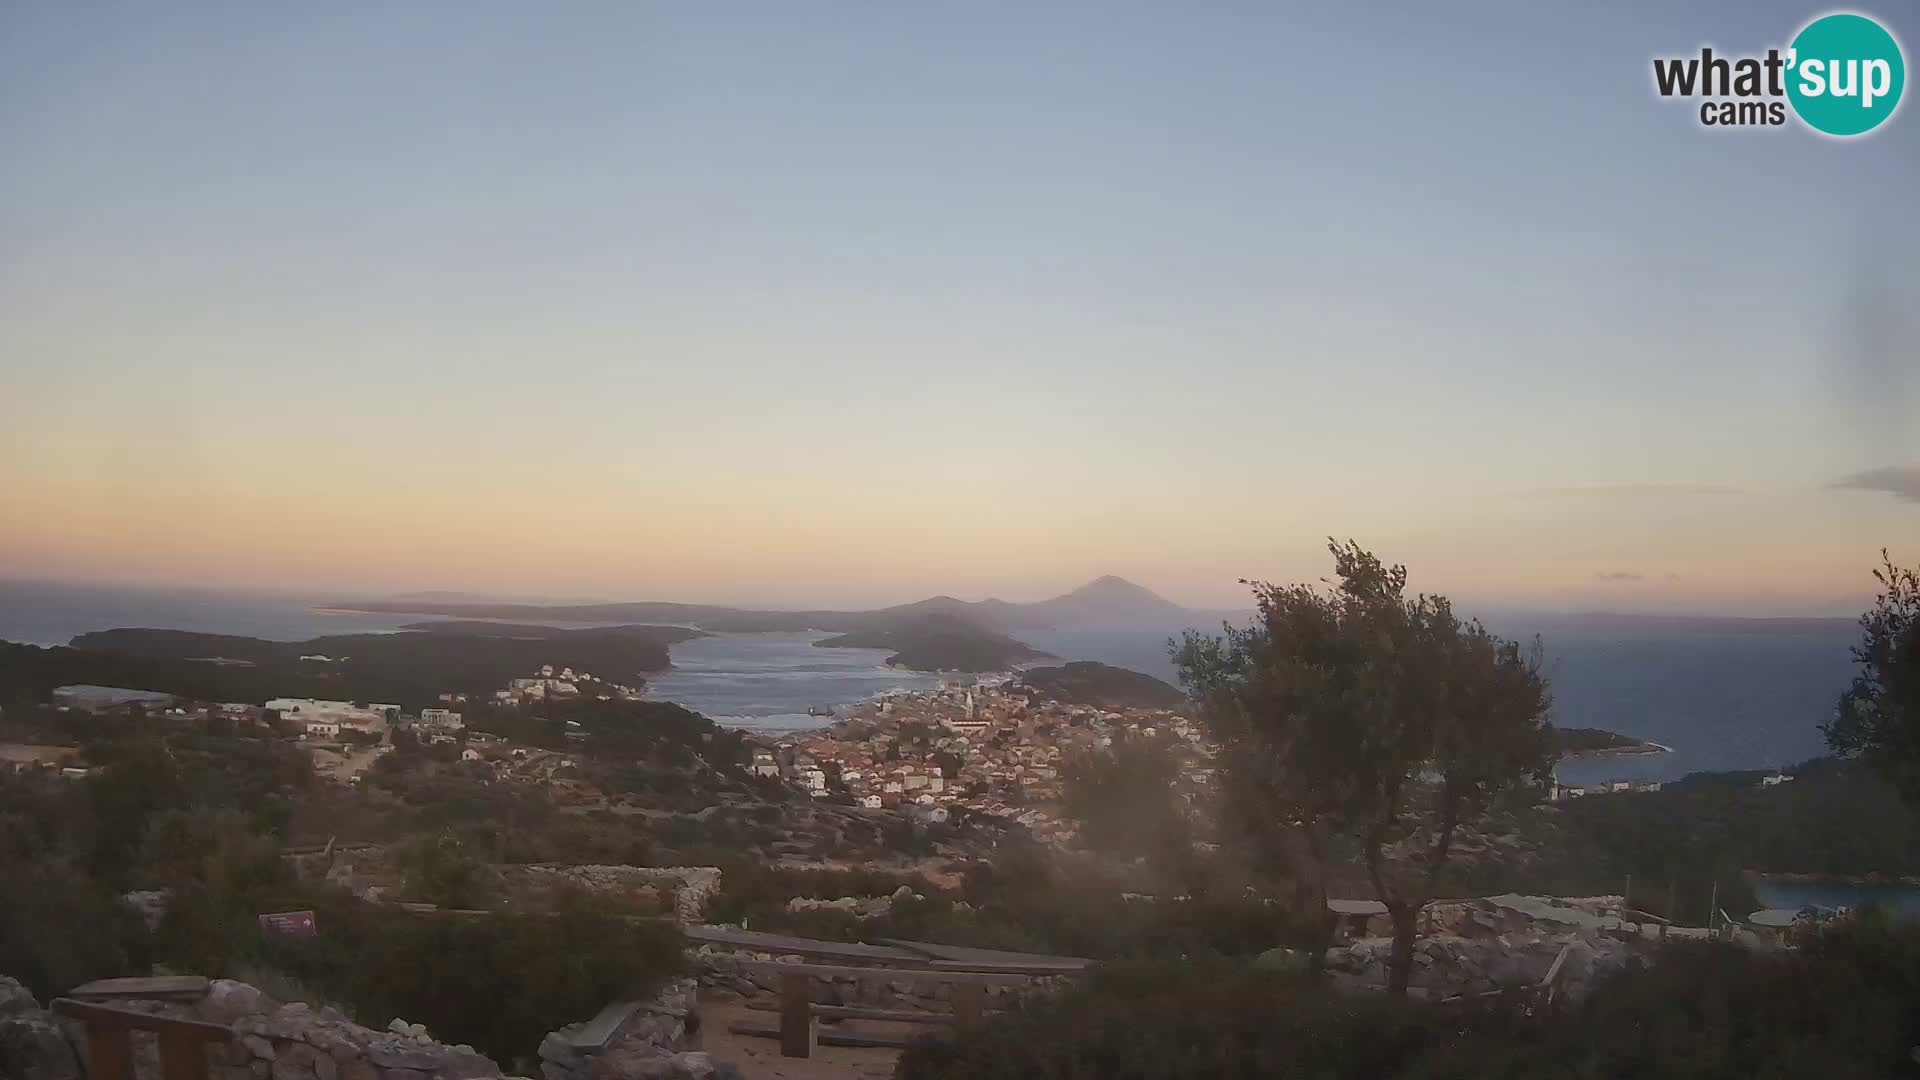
(1836, 610)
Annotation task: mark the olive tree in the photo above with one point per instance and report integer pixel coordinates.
(1878, 720)
(1349, 713)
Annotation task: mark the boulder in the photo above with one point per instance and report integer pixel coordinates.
(32, 1048)
(228, 1001)
(16, 998)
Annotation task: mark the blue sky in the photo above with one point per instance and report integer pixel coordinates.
(864, 301)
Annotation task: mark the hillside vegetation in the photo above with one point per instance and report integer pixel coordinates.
(1088, 682)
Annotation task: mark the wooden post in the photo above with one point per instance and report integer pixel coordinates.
(969, 1003)
(183, 1053)
(109, 1053)
(797, 1025)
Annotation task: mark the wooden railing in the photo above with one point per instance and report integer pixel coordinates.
(967, 973)
(799, 1032)
(183, 1043)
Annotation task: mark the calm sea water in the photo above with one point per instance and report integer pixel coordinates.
(40, 614)
(1797, 895)
(767, 682)
(1720, 700)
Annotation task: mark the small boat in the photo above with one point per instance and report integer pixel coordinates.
(819, 710)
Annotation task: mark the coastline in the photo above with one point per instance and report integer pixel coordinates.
(1639, 749)
(1891, 880)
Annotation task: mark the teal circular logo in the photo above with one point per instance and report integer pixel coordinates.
(1845, 74)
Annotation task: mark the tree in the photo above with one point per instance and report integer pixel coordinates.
(1878, 719)
(1125, 803)
(1352, 712)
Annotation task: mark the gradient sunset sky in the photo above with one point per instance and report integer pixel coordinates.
(854, 303)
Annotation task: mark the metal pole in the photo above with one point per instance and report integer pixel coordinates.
(1713, 905)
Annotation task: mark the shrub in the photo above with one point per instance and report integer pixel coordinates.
(498, 982)
(1847, 1004)
(1193, 1021)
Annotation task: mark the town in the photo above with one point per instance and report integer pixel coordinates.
(991, 747)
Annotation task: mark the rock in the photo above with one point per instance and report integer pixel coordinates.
(397, 1053)
(325, 1068)
(466, 1063)
(640, 1061)
(399, 1026)
(258, 1047)
(288, 1021)
(1282, 959)
(32, 1048)
(227, 1001)
(405, 1074)
(16, 998)
(902, 893)
(295, 1061)
(558, 1050)
(357, 1069)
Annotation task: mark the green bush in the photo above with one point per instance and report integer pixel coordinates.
(59, 928)
(1194, 1021)
(498, 982)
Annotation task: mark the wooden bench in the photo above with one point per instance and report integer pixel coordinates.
(183, 1043)
(799, 1028)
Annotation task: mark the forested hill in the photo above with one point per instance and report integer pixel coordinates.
(1088, 682)
(409, 668)
(941, 643)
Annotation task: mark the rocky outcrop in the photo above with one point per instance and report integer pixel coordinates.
(656, 1039)
(724, 978)
(692, 887)
(32, 1046)
(1491, 943)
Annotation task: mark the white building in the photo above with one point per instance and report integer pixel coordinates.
(441, 719)
(344, 715)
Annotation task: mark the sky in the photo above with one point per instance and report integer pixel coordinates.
(853, 303)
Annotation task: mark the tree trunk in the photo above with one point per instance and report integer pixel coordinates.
(1406, 922)
(1321, 921)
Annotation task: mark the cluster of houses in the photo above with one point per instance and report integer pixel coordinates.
(562, 684)
(983, 748)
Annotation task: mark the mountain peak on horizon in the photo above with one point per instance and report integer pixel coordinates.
(1110, 595)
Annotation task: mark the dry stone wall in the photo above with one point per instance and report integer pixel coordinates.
(657, 1039)
(692, 887)
(297, 1041)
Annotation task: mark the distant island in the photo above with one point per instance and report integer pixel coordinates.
(940, 642)
(1593, 742)
(1089, 682)
(1106, 599)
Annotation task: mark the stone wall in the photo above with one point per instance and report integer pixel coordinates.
(692, 887)
(722, 978)
(1497, 942)
(32, 1046)
(296, 1041)
(657, 1039)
